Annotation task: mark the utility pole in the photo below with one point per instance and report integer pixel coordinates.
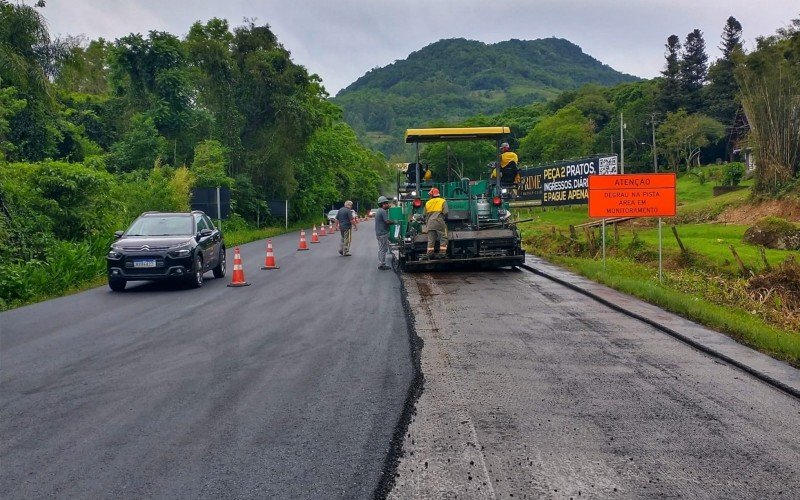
(653, 125)
(621, 145)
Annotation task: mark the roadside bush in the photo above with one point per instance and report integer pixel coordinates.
(733, 174)
(75, 197)
(139, 148)
(700, 175)
(639, 251)
(65, 266)
(163, 189)
(247, 200)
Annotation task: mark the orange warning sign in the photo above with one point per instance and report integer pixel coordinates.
(632, 195)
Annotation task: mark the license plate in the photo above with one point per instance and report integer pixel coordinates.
(144, 263)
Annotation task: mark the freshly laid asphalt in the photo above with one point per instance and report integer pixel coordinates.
(288, 388)
(534, 390)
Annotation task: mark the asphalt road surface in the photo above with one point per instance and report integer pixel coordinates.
(288, 388)
(533, 390)
(292, 388)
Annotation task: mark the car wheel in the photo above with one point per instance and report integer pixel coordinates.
(196, 280)
(219, 271)
(117, 285)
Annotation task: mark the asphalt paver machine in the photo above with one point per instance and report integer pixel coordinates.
(480, 229)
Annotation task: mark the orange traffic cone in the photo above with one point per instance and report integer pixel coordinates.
(322, 230)
(269, 262)
(314, 235)
(331, 228)
(303, 242)
(238, 272)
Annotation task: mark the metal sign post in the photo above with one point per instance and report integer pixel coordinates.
(286, 214)
(660, 279)
(604, 244)
(622, 127)
(219, 209)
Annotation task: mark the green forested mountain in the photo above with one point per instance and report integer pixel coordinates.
(451, 80)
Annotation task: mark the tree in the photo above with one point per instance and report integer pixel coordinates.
(671, 98)
(638, 103)
(83, 70)
(769, 81)
(153, 76)
(139, 148)
(594, 105)
(333, 167)
(217, 76)
(693, 70)
(720, 93)
(9, 107)
(28, 59)
(566, 134)
(681, 136)
(210, 165)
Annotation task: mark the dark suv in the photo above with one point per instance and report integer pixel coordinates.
(172, 246)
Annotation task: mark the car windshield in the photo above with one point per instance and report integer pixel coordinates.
(333, 212)
(170, 225)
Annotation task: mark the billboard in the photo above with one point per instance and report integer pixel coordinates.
(562, 183)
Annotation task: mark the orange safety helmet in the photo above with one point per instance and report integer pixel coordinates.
(434, 192)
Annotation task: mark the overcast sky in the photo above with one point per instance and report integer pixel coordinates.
(340, 40)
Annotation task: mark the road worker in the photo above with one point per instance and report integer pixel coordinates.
(509, 166)
(411, 173)
(382, 222)
(435, 216)
(346, 223)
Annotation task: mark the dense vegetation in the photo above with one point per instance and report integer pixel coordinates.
(93, 133)
(454, 79)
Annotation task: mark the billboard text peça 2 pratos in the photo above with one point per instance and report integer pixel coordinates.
(562, 183)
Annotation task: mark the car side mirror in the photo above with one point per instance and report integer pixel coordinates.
(204, 233)
(118, 234)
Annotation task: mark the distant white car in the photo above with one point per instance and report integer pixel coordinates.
(372, 213)
(332, 216)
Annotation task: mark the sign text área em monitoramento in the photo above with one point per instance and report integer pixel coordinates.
(633, 195)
